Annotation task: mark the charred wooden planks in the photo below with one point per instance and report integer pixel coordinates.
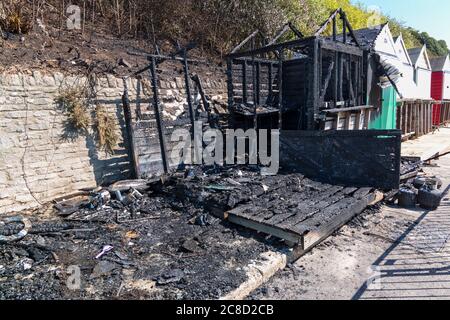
(309, 218)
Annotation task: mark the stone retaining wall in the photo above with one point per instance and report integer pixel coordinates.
(39, 162)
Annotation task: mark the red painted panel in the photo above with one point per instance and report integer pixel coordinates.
(437, 85)
(437, 92)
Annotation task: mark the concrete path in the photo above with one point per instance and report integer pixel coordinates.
(428, 146)
(394, 253)
(417, 265)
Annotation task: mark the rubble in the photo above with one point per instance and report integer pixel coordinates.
(417, 188)
(164, 241)
(20, 232)
(176, 245)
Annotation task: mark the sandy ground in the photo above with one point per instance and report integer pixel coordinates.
(394, 254)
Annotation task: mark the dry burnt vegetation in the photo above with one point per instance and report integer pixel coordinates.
(110, 27)
(15, 18)
(215, 25)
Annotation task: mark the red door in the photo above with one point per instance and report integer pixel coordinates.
(437, 91)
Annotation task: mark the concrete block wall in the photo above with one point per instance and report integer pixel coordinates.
(39, 163)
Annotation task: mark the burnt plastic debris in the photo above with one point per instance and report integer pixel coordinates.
(430, 182)
(170, 276)
(24, 222)
(407, 197)
(100, 199)
(429, 198)
(202, 220)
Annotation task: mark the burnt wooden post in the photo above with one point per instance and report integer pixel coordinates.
(366, 69)
(344, 27)
(334, 29)
(336, 79)
(188, 91)
(341, 77)
(280, 89)
(254, 98)
(318, 105)
(313, 105)
(205, 102)
(230, 89)
(348, 70)
(129, 127)
(258, 83)
(362, 77)
(159, 121)
(244, 82)
(270, 80)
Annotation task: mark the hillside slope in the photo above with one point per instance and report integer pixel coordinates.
(37, 32)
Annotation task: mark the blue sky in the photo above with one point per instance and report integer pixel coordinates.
(432, 16)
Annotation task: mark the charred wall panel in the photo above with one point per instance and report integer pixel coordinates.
(369, 158)
(327, 60)
(246, 73)
(295, 83)
(296, 86)
(147, 148)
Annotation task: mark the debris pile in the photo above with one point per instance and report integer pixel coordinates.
(160, 239)
(140, 242)
(418, 188)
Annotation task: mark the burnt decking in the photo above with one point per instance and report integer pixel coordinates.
(290, 206)
(308, 217)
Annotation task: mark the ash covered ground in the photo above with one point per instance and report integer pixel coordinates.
(163, 248)
(163, 244)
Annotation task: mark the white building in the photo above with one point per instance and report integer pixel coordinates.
(422, 72)
(392, 53)
(413, 80)
(406, 83)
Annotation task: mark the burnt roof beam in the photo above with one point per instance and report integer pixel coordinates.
(342, 47)
(350, 29)
(324, 26)
(274, 47)
(297, 32)
(326, 44)
(286, 27)
(347, 25)
(279, 34)
(247, 40)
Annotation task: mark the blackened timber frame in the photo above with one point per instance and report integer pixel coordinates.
(158, 116)
(264, 79)
(347, 76)
(141, 133)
